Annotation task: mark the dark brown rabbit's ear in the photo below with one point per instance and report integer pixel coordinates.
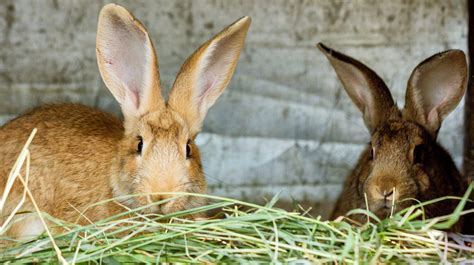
(435, 88)
(366, 89)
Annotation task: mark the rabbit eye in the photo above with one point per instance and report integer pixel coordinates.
(419, 154)
(188, 149)
(139, 145)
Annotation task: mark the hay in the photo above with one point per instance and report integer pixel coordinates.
(257, 234)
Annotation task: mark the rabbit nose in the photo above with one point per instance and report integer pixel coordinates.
(155, 198)
(388, 195)
(383, 193)
(158, 197)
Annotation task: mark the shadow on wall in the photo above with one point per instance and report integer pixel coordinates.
(284, 123)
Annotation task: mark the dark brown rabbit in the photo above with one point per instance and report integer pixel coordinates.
(403, 159)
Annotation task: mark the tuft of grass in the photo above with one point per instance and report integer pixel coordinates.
(246, 232)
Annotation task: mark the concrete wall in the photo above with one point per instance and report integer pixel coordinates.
(284, 124)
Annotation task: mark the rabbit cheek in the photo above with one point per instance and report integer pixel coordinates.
(422, 180)
(124, 182)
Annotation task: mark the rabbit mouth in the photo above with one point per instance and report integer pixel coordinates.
(177, 204)
(181, 204)
(383, 208)
(382, 212)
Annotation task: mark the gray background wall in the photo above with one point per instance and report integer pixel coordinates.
(284, 124)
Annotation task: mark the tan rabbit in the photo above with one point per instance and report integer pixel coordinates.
(403, 159)
(82, 155)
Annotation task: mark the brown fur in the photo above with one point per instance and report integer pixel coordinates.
(403, 156)
(82, 156)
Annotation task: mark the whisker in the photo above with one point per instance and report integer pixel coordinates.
(207, 175)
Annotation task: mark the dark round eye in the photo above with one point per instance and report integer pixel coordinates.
(419, 153)
(188, 149)
(139, 145)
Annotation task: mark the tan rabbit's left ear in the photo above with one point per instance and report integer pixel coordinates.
(206, 73)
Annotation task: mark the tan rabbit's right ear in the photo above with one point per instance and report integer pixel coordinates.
(127, 61)
(206, 73)
(366, 89)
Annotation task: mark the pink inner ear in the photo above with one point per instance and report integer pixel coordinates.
(433, 120)
(126, 50)
(434, 91)
(363, 98)
(214, 68)
(206, 86)
(134, 96)
(355, 83)
(439, 82)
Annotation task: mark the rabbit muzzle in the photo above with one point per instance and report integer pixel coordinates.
(388, 193)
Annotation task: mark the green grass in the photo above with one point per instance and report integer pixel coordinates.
(258, 234)
(244, 232)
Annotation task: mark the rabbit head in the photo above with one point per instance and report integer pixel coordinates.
(157, 152)
(403, 160)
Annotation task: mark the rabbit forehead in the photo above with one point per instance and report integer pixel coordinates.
(397, 135)
(165, 124)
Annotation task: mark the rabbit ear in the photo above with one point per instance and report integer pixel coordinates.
(206, 73)
(127, 61)
(366, 89)
(435, 88)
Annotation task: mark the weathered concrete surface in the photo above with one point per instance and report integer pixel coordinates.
(285, 124)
